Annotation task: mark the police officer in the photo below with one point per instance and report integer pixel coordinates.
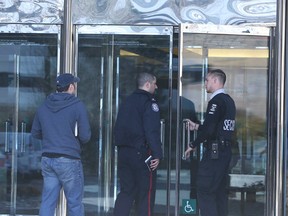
(137, 136)
(216, 134)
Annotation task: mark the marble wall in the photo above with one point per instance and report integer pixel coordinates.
(31, 11)
(158, 12)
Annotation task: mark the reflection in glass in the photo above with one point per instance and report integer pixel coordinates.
(28, 67)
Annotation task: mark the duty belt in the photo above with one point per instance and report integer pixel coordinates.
(225, 143)
(221, 143)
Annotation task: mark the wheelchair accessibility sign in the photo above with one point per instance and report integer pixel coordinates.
(188, 206)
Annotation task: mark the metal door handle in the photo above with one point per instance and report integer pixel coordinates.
(6, 136)
(76, 130)
(185, 137)
(23, 142)
(162, 131)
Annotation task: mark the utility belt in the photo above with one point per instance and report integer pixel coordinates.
(214, 146)
(221, 143)
(142, 146)
(142, 151)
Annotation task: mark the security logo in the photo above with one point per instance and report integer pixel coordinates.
(229, 125)
(155, 107)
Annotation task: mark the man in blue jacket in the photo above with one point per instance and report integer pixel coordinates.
(63, 126)
(137, 136)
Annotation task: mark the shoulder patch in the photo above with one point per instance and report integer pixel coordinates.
(155, 107)
(213, 108)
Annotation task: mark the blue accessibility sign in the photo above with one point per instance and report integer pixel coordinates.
(188, 206)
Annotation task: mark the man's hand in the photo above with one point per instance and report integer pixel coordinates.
(192, 125)
(187, 152)
(154, 164)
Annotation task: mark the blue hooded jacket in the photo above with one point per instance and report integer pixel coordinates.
(55, 122)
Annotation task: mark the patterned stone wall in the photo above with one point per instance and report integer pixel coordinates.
(158, 12)
(171, 12)
(31, 11)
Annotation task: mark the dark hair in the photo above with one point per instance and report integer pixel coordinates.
(62, 89)
(144, 77)
(220, 74)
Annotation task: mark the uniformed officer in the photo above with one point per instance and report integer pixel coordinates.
(216, 134)
(137, 136)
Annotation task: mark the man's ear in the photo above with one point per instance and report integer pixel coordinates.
(147, 85)
(71, 88)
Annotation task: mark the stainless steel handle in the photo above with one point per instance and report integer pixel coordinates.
(7, 123)
(162, 131)
(23, 141)
(185, 137)
(61, 208)
(76, 130)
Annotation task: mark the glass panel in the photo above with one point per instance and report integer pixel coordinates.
(28, 68)
(7, 111)
(245, 60)
(107, 65)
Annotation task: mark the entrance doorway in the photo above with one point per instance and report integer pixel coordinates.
(28, 68)
(243, 54)
(108, 60)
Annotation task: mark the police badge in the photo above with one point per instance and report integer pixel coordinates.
(155, 107)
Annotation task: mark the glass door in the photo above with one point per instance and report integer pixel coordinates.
(28, 68)
(107, 61)
(243, 54)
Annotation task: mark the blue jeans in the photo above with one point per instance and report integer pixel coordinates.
(57, 173)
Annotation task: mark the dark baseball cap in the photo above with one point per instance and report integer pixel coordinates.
(66, 79)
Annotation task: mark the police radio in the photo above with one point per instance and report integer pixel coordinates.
(214, 151)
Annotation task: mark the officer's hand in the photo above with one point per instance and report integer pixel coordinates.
(154, 163)
(192, 125)
(187, 152)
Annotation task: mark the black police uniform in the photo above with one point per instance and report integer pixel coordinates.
(218, 127)
(137, 136)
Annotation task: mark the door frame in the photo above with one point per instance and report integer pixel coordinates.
(23, 29)
(128, 30)
(223, 30)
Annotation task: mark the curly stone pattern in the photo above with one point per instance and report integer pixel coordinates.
(31, 11)
(159, 12)
(174, 11)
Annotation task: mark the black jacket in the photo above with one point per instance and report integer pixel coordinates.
(219, 120)
(138, 123)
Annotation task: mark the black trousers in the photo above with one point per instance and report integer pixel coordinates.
(137, 183)
(212, 178)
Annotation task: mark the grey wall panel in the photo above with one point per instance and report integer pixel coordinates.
(31, 11)
(174, 11)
